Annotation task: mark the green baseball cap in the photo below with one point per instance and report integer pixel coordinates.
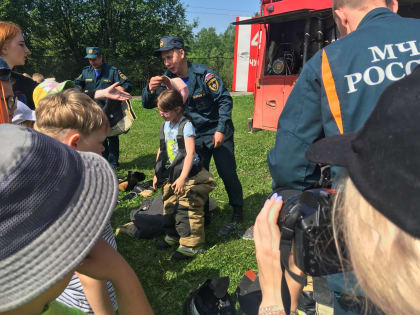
(93, 52)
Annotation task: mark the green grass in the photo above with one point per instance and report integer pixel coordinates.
(166, 283)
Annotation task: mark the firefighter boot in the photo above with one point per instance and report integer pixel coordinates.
(236, 220)
(238, 215)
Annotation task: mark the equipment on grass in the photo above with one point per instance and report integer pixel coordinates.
(211, 298)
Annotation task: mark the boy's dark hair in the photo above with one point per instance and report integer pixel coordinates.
(169, 100)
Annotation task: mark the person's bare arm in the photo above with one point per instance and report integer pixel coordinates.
(113, 92)
(267, 246)
(96, 293)
(105, 263)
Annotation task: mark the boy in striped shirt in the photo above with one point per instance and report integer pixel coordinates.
(73, 118)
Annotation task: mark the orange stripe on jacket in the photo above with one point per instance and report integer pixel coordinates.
(330, 90)
(4, 113)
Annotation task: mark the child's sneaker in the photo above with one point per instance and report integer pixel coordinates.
(128, 228)
(248, 234)
(184, 252)
(166, 243)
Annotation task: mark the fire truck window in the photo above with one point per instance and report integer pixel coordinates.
(285, 50)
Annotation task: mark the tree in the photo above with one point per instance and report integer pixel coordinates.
(216, 51)
(58, 31)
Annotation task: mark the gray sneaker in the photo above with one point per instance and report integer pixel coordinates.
(248, 234)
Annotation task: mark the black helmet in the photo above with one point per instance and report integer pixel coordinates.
(211, 298)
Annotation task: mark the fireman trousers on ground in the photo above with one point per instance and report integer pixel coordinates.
(184, 213)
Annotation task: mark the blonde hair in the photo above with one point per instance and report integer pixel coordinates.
(385, 259)
(69, 109)
(38, 77)
(8, 31)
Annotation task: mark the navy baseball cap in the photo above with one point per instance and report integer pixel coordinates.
(382, 159)
(169, 43)
(93, 52)
(4, 70)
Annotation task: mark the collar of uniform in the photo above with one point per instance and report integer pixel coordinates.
(104, 65)
(196, 68)
(170, 75)
(378, 12)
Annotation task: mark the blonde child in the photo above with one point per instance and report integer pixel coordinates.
(73, 118)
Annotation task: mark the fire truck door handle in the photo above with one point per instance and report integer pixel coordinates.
(271, 103)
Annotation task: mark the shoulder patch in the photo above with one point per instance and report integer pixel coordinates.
(122, 75)
(213, 84)
(208, 77)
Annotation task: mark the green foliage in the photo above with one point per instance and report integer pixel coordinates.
(58, 31)
(215, 51)
(167, 283)
(128, 31)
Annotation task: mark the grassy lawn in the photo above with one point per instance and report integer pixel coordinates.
(168, 284)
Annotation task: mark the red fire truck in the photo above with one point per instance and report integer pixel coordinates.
(285, 35)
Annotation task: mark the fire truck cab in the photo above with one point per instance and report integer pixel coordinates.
(291, 32)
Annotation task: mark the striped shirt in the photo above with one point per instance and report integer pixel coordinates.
(74, 296)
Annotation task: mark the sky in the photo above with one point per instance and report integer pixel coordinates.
(218, 13)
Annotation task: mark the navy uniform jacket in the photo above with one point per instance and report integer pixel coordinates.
(384, 48)
(108, 75)
(209, 104)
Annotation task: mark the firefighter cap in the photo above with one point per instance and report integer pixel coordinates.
(168, 43)
(93, 52)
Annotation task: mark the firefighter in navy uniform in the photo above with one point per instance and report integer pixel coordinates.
(99, 75)
(209, 107)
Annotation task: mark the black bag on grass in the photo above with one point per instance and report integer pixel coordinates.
(248, 293)
(148, 218)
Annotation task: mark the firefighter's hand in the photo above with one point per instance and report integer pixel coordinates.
(178, 185)
(154, 185)
(218, 139)
(113, 92)
(155, 83)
